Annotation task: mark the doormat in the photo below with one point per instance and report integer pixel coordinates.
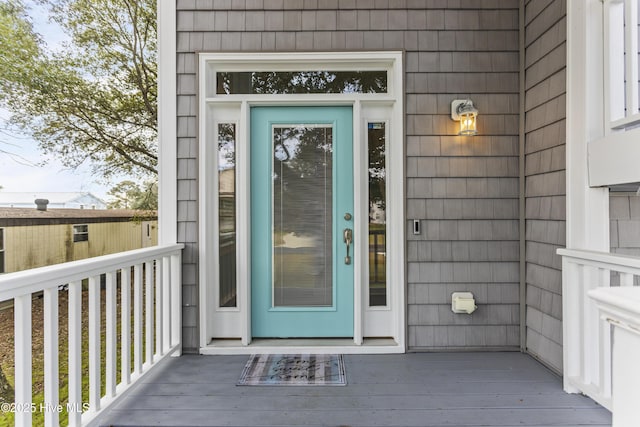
(294, 370)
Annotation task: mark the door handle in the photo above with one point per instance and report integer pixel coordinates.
(348, 238)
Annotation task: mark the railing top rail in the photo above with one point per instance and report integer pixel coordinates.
(38, 279)
(611, 259)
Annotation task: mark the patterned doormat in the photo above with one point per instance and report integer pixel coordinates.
(294, 370)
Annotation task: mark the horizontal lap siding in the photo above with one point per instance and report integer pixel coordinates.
(545, 75)
(463, 190)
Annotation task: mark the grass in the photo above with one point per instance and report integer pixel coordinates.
(7, 355)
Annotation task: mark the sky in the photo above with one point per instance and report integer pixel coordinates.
(20, 157)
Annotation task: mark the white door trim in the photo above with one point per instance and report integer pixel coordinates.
(234, 324)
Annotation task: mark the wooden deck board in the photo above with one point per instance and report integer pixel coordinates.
(422, 389)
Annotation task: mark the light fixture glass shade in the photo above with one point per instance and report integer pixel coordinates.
(463, 110)
(468, 124)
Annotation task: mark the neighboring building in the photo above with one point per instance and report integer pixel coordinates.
(57, 200)
(31, 238)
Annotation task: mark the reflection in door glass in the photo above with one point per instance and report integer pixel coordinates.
(227, 213)
(1, 250)
(302, 216)
(377, 215)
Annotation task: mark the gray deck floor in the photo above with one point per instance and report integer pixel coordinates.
(422, 389)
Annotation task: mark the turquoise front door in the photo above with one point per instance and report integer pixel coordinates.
(301, 210)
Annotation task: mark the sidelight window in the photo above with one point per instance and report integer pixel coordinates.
(376, 138)
(227, 214)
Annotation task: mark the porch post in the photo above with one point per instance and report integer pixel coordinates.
(167, 158)
(167, 116)
(587, 208)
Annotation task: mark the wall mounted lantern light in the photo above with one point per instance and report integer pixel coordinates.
(462, 110)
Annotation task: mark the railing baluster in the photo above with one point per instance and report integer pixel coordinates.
(75, 354)
(598, 374)
(51, 386)
(148, 312)
(23, 379)
(605, 347)
(590, 321)
(159, 305)
(166, 303)
(95, 391)
(580, 322)
(626, 279)
(176, 302)
(605, 353)
(137, 319)
(125, 325)
(571, 333)
(111, 335)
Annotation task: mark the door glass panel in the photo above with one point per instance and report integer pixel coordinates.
(302, 216)
(1, 250)
(376, 136)
(227, 213)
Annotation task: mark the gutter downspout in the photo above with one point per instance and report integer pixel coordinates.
(521, 183)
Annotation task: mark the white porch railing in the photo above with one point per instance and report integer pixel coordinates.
(155, 276)
(587, 338)
(620, 307)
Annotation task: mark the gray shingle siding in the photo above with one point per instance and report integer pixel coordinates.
(624, 219)
(545, 163)
(463, 190)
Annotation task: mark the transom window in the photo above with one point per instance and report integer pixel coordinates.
(290, 82)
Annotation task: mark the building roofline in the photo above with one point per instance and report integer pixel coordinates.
(31, 216)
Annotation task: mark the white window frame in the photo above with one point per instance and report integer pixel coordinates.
(235, 323)
(613, 149)
(83, 233)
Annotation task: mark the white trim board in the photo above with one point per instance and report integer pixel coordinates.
(302, 346)
(587, 213)
(615, 159)
(167, 124)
